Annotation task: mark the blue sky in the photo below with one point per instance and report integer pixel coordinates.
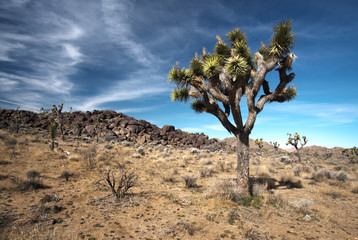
(116, 54)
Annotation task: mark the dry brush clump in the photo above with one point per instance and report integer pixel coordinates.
(324, 173)
(120, 185)
(190, 181)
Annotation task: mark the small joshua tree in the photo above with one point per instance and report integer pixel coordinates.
(57, 112)
(294, 141)
(275, 145)
(259, 143)
(53, 128)
(218, 82)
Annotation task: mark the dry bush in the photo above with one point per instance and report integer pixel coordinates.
(126, 180)
(66, 175)
(341, 176)
(275, 200)
(290, 182)
(228, 190)
(221, 166)
(321, 174)
(297, 170)
(206, 172)
(262, 172)
(90, 157)
(190, 181)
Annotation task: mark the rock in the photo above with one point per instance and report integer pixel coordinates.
(307, 218)
(194, 150)
(110, 136)
(144, 139)
(168, 128)
(141, 151)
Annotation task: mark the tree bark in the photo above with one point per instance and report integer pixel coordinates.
(243, 162)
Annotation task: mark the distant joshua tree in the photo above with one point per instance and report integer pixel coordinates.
(275, 145)
(294, 141)
(57, 112)
(259, 143)
(231, 73)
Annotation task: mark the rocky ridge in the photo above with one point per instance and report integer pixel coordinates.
(107, 125)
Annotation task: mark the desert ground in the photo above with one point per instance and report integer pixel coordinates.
(177, 193)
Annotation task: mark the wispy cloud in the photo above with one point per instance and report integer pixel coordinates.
(325, 113)
(116, 18)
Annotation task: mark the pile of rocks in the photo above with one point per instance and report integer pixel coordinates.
(108, 125)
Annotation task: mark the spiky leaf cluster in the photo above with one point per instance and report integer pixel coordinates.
(236, 36)
(242, 50)
(180, 94)
(212, 66)
(198, 106)
(275, 144)
(222, 50)
(283, 39)
(236, 66)
(181, 77)
(259, 143)
(196, 67)
(294, 140)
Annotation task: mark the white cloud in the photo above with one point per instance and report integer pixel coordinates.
(116, 18)
(72, 52)
(192, 130)
(216, 127)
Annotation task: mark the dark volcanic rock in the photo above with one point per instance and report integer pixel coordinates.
(111, 126)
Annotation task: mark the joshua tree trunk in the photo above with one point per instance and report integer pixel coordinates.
(298, 154)
(243, 162)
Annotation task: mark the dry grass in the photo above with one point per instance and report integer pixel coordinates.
(160, 206)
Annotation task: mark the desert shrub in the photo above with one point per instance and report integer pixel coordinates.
(190, 181)
(341, 176)
(90, 157)
(306, 168)
(221, 166)
(170, 179)
(228, 190)
(251, 200)
(263, 172)
(206, 172)
(252, 234)
(286, 160)
(66, 175)
(126, 181)
(290, 182)
(32, 175)
(321, 174)
(233, 215)
(275, 200)
(297, 171)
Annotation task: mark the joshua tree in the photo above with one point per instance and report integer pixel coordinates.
(57, 112)
(259, 143)
(294, 141)
(53, 128)
(275, 145)
(232, 72)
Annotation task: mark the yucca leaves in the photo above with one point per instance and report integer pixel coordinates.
(197, 67)
(222, 49)
(212, 66)
(198, 106)
(283, 39)
(181, 94)
(243, 50)
(236, 36)
(236, 66)
(181, 77)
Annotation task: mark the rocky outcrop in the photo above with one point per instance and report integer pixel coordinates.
(110, 126)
